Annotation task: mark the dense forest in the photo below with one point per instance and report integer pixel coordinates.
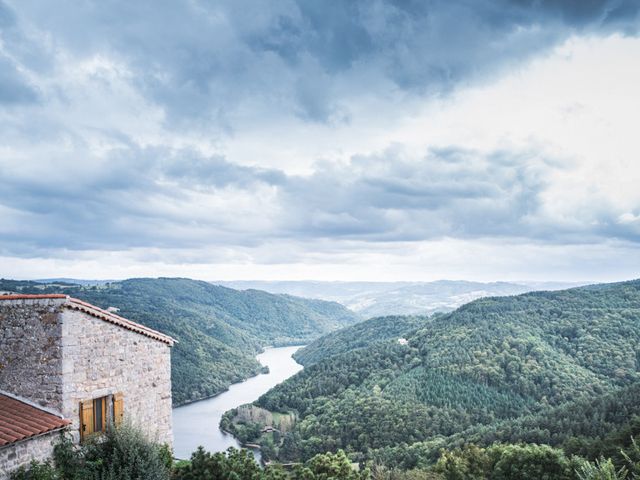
(219, 330)
(360, 335)
(557, 368)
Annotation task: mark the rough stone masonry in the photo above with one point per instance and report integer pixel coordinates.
(56, 355)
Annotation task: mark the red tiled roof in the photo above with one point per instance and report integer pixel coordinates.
(19, 420)
(21, 296)
(110, 317)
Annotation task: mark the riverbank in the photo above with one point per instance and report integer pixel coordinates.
(197, 423)
(264, 370)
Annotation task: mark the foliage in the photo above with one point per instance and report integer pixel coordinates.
(559, 368)
(360, 335)
(69, 459)
(36, 471)
(631, 457)
(589, 427)
(237, 464)
(329, 466)
(246, 432)
(381, 472)
(505, 462)
(601, 469)
(122, 453)
(233, 464)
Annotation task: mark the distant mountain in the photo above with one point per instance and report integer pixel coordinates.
(561, 368)
(219, 330)
(377, 299)
(73, 281)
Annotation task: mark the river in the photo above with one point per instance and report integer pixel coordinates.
(198, 423)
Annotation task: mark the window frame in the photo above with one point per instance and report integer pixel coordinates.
(111, 412)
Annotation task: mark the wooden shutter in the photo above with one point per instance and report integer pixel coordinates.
(118, 408)
(86, 419)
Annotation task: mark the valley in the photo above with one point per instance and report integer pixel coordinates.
(546, 373)
(557, 368)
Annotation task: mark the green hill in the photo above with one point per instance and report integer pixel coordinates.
(360, 335)
(474, 371)
(219, 330)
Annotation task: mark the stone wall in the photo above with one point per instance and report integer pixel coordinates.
(101, 359)
(30, 353)
(22, 453)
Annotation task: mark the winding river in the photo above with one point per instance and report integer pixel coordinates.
(198, 423)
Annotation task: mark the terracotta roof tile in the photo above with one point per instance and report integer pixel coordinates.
(19, 420)
(24, 296)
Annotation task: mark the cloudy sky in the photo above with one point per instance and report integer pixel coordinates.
(320, 139)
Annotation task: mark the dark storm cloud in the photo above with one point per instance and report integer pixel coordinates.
(203, 60)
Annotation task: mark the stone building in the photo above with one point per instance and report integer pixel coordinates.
(66, 365)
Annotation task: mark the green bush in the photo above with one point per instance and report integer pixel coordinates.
(36, 471)
(124, 453)
(329, 466)
(233, 464)
(506, 462)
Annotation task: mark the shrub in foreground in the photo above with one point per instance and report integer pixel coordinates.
(122, 453)
(36, 471)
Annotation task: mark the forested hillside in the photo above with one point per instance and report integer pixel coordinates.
(360, 335)
(219, 330)
(550, 367)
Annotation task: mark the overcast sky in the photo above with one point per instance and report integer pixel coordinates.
(320, 139)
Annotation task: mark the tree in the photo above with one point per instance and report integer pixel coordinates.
(233, 464)
(601, 469)
(329, 466)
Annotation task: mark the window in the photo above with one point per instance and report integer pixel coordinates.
(98, 413)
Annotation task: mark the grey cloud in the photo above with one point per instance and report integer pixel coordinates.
(608, 14)
(203, 61)
(150, 198)
(215, 171)
(138, 198)
(208, 64)
(14, 87)
(449, 192)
